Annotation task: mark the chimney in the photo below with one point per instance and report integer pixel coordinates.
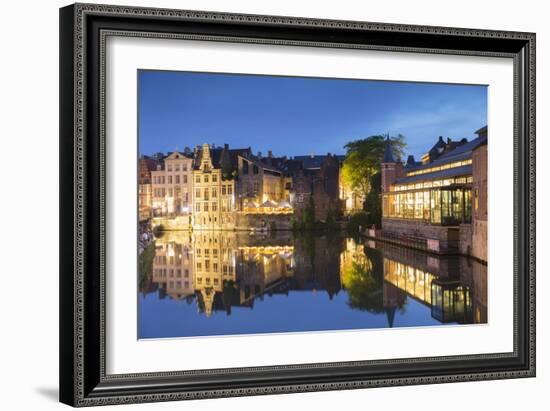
(226, 146)
(259, 154)
(270, 153)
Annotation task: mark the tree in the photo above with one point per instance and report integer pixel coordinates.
(363, 158)
(373, 203)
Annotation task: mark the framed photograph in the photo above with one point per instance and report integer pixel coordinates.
(261, 204)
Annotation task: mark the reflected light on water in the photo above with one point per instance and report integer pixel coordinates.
(222, 283)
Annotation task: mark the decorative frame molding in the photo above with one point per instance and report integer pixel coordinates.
(83, 32)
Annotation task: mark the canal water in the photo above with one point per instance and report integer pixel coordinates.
(227, 283)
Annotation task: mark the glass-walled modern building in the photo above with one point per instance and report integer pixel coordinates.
(418, 197)
(445, 201)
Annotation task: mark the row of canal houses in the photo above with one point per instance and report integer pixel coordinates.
(439, 201)
(226, 188)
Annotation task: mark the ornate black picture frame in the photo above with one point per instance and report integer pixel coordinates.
(83, 30)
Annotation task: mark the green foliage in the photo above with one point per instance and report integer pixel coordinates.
(363, 282)
(308, 222)
(309, 215)
(373, 202)
(358, 219)
(363, 159)
(145, 264)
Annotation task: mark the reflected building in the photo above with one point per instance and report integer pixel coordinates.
(214, 266)
(453, 287)
(173, 265)
(220, 271)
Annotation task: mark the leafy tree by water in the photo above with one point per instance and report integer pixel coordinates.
(373, 201)
(363, 158)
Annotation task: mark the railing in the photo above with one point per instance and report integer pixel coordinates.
(418, 242)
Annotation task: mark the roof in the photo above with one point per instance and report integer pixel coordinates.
(462, 152)
(482, 132)
(450, 172)
(177, 154)
(313, 161)
(388, 152)
(218, 155)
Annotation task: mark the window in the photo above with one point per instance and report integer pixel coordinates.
(229, 189)
(169, 168)
(256, 187)
(205, 207)
(184, 179)
(198, 207)
(206, 194)
(198, 193)
(177, 168)
(468, 206)
(206, 179)
(224, 190)
(177, 179)
(215, 267)
(435, 206)
(214, 178)
(214, 206)
(214, 192)
(245, 167)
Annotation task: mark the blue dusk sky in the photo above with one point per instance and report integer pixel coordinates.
(298, 116)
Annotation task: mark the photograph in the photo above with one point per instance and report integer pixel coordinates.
(281, 204)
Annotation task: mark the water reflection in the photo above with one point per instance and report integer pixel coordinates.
(218, 283)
